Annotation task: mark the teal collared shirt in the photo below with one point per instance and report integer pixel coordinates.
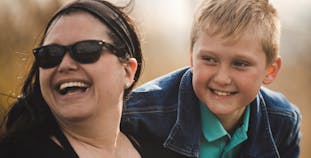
(216, 142)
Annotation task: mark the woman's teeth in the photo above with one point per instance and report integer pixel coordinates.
(67, 87)
(72, 84)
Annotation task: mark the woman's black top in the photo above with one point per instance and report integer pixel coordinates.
(36, 145)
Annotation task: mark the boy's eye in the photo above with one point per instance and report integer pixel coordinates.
(240, 64)
(209, 59)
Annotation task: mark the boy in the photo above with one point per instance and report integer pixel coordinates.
(217, 107)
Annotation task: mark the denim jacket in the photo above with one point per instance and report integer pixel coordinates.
(163, 117)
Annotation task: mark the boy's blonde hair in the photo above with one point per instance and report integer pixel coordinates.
(233, 18)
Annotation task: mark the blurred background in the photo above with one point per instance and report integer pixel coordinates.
(165, 29)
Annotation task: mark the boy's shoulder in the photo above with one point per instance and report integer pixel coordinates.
(163, 89)
(163, 82)
(278, 104)
(284, 120)
(276, 99)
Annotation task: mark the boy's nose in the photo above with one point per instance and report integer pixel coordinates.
(67, 64)
(222, 76)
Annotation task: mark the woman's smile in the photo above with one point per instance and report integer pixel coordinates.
(72, 87)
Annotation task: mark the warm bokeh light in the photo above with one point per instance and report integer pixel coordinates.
(164, 27)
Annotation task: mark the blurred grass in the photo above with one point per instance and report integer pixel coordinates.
(21, 24)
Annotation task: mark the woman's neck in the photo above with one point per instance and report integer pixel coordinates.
(96, 136)
(103, 146)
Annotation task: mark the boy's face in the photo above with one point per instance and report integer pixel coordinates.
(228, 75)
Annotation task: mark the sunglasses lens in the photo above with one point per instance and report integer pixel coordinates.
(87, 51)
(49, 56)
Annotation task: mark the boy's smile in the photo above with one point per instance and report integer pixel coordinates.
(222, 93)
(227, 75)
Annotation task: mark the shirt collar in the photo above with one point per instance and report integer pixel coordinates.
(212, 128)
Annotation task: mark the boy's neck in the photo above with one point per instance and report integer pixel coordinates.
(232, 121)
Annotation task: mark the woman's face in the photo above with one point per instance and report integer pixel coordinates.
(88, 89)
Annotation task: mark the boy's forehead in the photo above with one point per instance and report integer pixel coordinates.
(244, 42)
(227, 32)
(228, 37)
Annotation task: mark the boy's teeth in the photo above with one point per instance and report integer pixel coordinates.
(222, 93)
(72, 84)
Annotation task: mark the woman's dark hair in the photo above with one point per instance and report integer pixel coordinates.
(31, 112)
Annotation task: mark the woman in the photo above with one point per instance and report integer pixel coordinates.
(88, 60)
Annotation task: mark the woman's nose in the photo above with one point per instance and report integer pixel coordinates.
(67, 64)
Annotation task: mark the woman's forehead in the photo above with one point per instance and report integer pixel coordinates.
(77, 26)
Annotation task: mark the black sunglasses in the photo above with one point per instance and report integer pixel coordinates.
(84, 52)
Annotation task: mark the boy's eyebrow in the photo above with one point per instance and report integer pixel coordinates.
(247, 56)
(203, 50)
(243, 57)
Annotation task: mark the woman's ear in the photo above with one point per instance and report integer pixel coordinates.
(130, 70)
(272, 71)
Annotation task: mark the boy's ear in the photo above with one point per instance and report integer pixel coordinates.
(191, 60)
(272, 71)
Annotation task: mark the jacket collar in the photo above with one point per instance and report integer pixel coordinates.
(185, 134)
(260, 134)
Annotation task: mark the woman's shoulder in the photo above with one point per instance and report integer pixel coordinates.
(16, 145)
(29, 145)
